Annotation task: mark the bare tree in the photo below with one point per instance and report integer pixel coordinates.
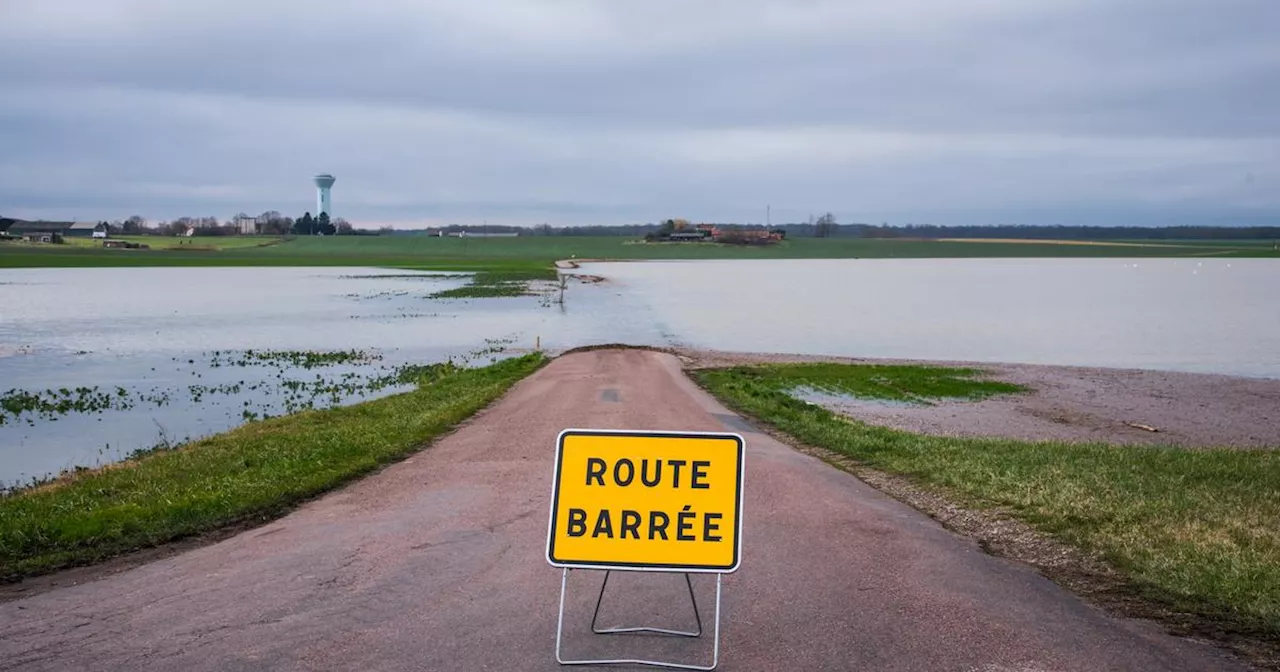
(825, 226)
(273, 223)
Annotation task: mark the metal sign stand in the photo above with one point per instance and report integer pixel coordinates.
(715, 655)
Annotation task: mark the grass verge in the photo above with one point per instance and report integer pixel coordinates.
(1195, 530)
(257, 471)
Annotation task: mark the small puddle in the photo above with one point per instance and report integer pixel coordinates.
(829, 399)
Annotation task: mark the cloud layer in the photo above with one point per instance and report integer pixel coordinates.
(581, 111)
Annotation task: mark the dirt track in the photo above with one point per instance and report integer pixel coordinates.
(436, 563)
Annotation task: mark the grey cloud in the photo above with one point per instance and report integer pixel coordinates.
(626, 111)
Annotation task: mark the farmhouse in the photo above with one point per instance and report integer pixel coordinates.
(21, 228)
(38, 231)
(63, 229)
(717, 234)
(82, 229)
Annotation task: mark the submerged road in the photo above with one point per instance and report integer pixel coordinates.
(437, 563)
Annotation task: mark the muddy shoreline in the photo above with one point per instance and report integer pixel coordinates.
(1068, 403)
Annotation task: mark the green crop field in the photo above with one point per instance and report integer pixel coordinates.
(465, 254)
(213, 243)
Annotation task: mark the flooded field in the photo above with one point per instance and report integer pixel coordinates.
(98, 363)
(1200, 316)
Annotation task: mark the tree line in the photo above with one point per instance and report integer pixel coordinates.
(826, 226)
(269, 223)
(1061, 232)
(273, 223)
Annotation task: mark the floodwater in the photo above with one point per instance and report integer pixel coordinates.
(172, 342)
(1206, 316)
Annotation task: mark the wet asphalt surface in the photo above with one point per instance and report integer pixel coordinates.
(437, 563)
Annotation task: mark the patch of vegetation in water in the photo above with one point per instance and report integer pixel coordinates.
(483, 291)
(425, 275)
(302, 359)
(492, 346)
(397, 316)
(51, 404)
(385, 294)
(497, 284)
(285, 390)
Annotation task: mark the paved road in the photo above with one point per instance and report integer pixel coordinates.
(437, 563)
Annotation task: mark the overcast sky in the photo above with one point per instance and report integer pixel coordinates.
(622, 111)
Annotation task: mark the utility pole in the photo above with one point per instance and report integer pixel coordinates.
(768, 216)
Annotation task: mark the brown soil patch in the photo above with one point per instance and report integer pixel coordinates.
(1078, 404)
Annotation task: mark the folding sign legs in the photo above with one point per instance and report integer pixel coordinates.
(715, 655)
(678, 633)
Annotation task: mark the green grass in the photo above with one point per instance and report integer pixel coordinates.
(474, 291)
(493, 284)
(533, 253)
(254, 472)
(201, 244)
(918, 384)
(1198, 530)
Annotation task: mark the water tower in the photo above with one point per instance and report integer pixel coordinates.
(324, 183)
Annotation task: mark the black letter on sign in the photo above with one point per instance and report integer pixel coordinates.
(708, 528)
(675, 467)
(617, 472)
(684, 521)
(577, 522)
(700, 472)
(630, 522)
(603, 525)
(644, 472)
(658, 528)
(595, 469)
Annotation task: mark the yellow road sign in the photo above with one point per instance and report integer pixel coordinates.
(666, 501)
